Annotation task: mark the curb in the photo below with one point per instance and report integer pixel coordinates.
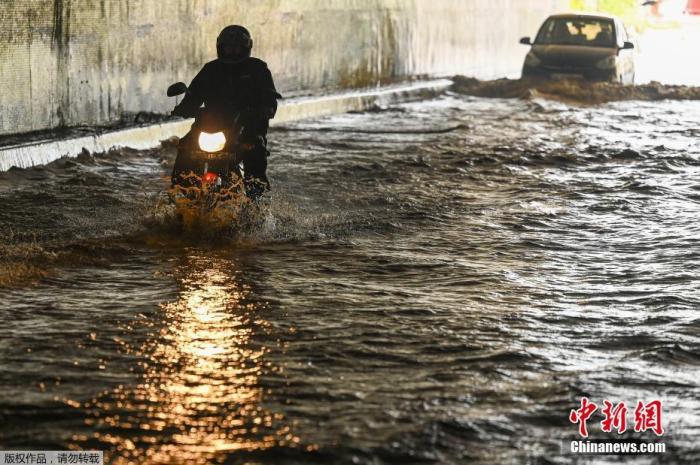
(147, 137)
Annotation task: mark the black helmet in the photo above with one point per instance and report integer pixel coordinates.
(233, 44)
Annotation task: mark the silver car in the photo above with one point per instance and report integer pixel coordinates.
(593, 47)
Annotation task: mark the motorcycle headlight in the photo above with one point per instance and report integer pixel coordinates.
(532, 60)
(607, 62)
(212, 142)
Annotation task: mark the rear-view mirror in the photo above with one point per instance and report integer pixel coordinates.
(526, 41)
(178, 88)
(628, 46)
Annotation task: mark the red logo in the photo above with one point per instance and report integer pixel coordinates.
(582, 415)
(646, 417)
(614, 417)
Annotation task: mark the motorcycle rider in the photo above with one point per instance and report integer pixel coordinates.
(235, 83)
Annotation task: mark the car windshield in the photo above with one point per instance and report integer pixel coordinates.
(590, 32)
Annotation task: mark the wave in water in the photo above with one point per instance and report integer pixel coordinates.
(572, 90)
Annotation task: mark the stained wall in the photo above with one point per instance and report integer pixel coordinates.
(86, 62)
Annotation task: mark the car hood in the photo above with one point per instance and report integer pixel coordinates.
(571, 55)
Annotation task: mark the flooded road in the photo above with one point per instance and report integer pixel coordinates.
(437, 282)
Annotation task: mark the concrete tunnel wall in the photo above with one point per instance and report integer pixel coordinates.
(87, 62)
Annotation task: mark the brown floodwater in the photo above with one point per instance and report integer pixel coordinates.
(435, 282)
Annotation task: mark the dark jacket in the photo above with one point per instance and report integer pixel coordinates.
(245, 87)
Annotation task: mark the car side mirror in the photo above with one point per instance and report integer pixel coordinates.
(178, 88)
(526, 41)
(628, 46)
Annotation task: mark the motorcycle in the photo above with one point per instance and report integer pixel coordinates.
(208, 165)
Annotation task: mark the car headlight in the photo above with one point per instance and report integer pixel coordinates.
(607, 62)
(212, 142)
(532, 60)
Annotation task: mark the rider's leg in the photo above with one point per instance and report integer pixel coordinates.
(255, 168)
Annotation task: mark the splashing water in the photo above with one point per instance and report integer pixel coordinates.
(573, 90)
(212, 211)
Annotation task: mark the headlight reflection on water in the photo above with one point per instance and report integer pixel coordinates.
(200, 396)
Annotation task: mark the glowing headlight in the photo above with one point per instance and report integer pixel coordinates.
(607, 62)
(212, 142)
(532, 60)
